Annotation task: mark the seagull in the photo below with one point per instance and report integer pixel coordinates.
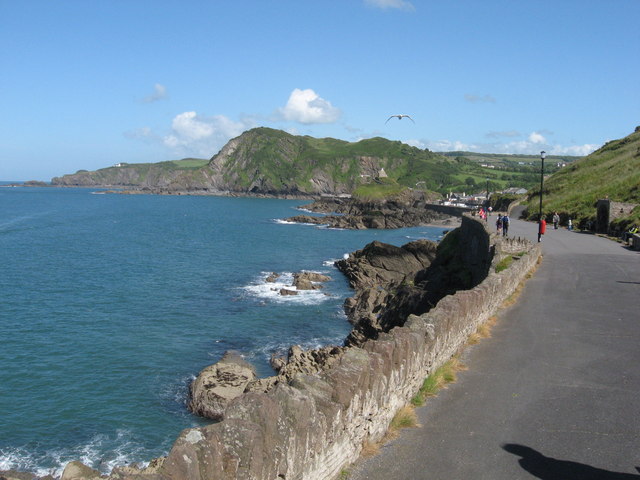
(400, 117)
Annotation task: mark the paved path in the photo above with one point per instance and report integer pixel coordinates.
(554, 393)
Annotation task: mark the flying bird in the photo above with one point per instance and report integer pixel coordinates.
(399, 117)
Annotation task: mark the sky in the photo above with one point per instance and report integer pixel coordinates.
(86, 84)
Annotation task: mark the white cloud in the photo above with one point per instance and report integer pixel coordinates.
(537, 138)
(159, 92)
(305, 106)
(449, 146)
(193, 134)
(532, 145)
(384, 4)
(469, 97)
(579, 150)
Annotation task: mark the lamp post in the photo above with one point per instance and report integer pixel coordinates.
(542, 155)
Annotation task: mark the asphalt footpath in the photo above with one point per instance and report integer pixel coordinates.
(554, 393)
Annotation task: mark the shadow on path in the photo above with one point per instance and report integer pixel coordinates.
(548, 468)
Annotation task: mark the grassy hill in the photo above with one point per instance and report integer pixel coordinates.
(274, 162)
(613, 171)
(502, 171)
(131, 174)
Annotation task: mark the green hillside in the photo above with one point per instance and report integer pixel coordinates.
(274, 162)
(132, 174)
(611, 172)
(502, 171)
(281, 160)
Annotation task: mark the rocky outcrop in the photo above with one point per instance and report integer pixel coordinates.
(306, 362)
(408, 209)
(218, 384)
(79, 471)
(382, 274)
(392, 283)
(309, 280)
(301, 281)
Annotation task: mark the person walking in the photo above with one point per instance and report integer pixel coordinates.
(556, 220)
(499, 224)
(505, 225)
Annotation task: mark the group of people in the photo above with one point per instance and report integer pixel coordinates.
(502, 224)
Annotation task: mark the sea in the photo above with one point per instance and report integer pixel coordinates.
(111, 304)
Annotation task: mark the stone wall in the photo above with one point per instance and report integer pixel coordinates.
(607, 211)
(311, 428)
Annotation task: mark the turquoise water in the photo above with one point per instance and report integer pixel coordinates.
(110, 304)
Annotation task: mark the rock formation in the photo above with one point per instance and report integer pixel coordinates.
(384, 279)
(219, 383)
(407, 209)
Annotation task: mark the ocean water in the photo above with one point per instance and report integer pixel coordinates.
(111, 304)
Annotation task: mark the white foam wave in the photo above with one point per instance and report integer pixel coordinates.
(102, 453)
(317, 225)
(270, 291)
(286, 222)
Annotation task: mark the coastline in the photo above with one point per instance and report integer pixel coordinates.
(114, 208)
(351, 402)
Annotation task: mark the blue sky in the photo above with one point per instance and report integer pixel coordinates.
(85, 84)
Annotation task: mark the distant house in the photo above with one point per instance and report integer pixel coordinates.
(122, 164)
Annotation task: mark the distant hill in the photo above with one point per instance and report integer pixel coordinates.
(613, 172)
(268, 161)
(273, 162)
(139, 175)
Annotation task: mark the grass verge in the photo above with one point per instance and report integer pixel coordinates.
(439, 379)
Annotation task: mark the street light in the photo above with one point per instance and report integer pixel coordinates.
(542, 155)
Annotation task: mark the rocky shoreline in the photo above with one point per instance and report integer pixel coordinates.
(391, 285)
(408, 209)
